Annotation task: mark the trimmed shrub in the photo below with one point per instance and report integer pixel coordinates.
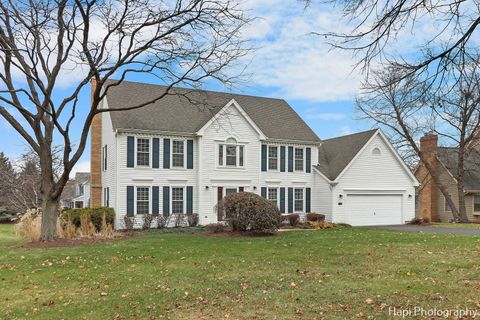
(96, 216)
(129, 223)
(315, 217)
(147, 221)
(246, 211)
(419, 221)
(216, 227)
(193, 220)
(292, 219)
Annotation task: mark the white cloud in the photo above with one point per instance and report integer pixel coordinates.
(83, 166)
(344, 130)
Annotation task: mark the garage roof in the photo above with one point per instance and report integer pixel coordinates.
(335, 154)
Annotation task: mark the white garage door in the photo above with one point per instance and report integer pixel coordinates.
(373, 209)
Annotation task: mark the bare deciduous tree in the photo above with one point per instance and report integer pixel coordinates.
(174, 42)
(407, 108)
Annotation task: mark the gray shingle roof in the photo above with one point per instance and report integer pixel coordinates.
(188, 110)
(449, 158)
(336, 153)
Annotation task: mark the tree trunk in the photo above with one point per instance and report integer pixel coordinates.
(49, 220)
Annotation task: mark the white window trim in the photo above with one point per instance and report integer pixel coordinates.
(237, 150)
(278, 195)
(295, 159)
(278, 158)
(303, 200)
(184, 154)
(184, 199)
(149, 199)
(150, 158)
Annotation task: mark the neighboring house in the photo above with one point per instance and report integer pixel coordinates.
(183, 155)
(76, 193)
(431, 202)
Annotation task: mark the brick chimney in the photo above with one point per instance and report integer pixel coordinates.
(95, 155)
(428, 192)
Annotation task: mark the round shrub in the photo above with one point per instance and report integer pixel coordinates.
(246, 211)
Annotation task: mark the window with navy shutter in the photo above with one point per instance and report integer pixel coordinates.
(189, 200)
(156, 153)
(264, 157)
(130, 201)
(130, 152)
(282, 200)
(290, 159)
(264, 192)
(166, 153)
(308, 164)
(166, 201)
(189, 154)
(307, 200)
(282, 158)
(155, 200)
(290, 200)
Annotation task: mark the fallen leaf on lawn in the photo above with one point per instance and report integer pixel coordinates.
(369, 301)
(48, 303)
(103, 294)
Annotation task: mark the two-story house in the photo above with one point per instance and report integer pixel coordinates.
(185, 152)
(76, 193)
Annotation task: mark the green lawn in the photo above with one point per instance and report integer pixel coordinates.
(338, 273)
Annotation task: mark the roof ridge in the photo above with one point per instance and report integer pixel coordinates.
(351, 134)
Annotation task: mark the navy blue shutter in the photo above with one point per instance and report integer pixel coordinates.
(130, 201)
(307, 200)
(189, 200)
(282, 158)
(155, 200)
(166, 153)
(166, 201)
(130, 152)
(290, 200)
(264, 157)
(189, 154)
(290, 159)
(309, 160)
(282, 200)
(264, 192)
(156, 153)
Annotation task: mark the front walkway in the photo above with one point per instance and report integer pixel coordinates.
(431, 229)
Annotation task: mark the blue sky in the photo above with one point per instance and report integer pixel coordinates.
(288, 63)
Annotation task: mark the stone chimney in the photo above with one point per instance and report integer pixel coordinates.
(95, 155)
(428, 192)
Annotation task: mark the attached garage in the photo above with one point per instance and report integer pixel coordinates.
(373, 209)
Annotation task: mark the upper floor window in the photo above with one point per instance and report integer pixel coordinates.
(298, 159)
(178, 153)
(143, 152)
(272, 158)
(231, 154)
(104, 158)
(143, 200)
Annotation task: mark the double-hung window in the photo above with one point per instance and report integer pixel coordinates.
(230, 154)
(143, 152)
(178, 153)
(106, 197)
(298, 159)
(177, 200)
(298, 204)
(272, 158)
(143, 200)
(104, 158)
(273, 195)
(476, 203)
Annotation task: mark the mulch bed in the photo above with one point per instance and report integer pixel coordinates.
(61, 243)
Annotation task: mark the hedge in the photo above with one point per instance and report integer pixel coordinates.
(96, 215)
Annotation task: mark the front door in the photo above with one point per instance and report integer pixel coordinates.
(222, 192)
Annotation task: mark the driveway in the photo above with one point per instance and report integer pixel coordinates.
(430, 229)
